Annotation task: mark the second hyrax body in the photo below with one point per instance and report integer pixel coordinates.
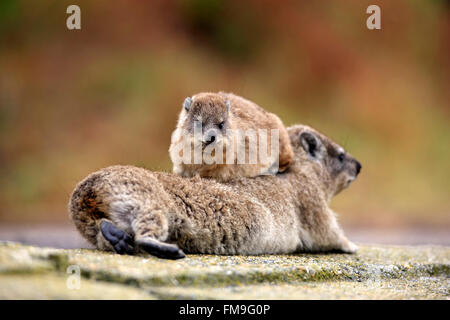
(128, 209)
(233, 138)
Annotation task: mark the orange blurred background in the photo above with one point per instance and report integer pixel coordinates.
(72, 102)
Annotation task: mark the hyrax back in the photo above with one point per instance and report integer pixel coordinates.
(233, 137)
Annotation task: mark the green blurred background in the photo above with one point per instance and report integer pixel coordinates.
(72, 102)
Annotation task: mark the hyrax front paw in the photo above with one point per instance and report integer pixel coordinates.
(349, 247)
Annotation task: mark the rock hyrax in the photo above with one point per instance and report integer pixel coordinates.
(229, 133)
(128, 209)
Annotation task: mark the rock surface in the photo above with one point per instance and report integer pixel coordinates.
(375, 272)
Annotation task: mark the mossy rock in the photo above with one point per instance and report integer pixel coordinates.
(374, 272)
(52, 286)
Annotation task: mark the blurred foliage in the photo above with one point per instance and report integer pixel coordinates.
(8, 13)
(232, 31)
(75, 101)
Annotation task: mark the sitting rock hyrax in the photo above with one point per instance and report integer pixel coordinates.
(233, 137)
(127, 209)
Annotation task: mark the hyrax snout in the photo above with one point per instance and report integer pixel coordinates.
(224, 136)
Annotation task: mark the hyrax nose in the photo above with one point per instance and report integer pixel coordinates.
(358, 167)
(209, 138)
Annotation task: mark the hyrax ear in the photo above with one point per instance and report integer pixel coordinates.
(311, 144)
(228, 104)
(187, 103)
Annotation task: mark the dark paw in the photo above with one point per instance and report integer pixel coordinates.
(161, 250)
(121, 241)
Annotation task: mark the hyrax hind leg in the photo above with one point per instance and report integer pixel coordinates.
(119, 240)
(151, 229)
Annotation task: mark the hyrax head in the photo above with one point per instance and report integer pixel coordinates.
(207, 117)
(338, 168)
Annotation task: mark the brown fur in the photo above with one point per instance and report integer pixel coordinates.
(285, 213)
(243, 114)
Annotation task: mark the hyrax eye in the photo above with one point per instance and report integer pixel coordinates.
(220, 125)
(341, 157)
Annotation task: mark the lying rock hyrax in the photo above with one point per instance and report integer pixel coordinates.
(128, 209)
(220, 125)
